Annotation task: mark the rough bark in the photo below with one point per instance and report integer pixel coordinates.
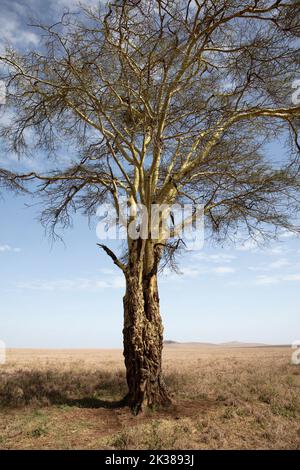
(143, 340)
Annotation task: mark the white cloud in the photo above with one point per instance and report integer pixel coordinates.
(75, 3)
(273, 249)
(215, 258)
(108, 271)
(276, 250)
(191, 271)
(223, 270)
(268, 280)
(287, 234)
(80, 284)
(292, 277)
(194, 271)
(118, 282)
(12, 32)
(6, 248)
(278, 264)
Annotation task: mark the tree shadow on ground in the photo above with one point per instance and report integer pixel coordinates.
(96, 389)
(81, 388)
(88, 402)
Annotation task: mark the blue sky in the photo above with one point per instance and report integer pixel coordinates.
(70, 295)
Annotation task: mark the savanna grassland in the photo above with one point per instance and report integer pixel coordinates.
(224, 398)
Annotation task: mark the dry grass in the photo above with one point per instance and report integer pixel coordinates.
(224, 398)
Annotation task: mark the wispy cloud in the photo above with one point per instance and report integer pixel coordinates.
(191, 271)
(223, 270)
(287, 234)
(75, 3)
(278, 264)
(202, 264)
(292, 277)
(194, 272)
(215, 258)
(8, 248)
(14, 32)
(80, 284)
(276, 250)
(268, 280)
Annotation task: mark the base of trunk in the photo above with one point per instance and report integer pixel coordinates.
(143, 344)
(155, 396)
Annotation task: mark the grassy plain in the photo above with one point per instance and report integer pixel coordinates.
(224, 398)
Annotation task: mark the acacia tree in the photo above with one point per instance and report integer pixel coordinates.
(167, 102)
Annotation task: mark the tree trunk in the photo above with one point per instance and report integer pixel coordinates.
(143, 340)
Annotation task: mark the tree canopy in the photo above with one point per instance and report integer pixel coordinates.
(164, 101)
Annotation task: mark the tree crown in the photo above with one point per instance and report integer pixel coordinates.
(163, 102)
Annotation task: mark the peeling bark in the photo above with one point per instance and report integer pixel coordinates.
(143, 340)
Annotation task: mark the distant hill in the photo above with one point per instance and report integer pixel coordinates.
(239, 344)
(191, 343)
(230, 344)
